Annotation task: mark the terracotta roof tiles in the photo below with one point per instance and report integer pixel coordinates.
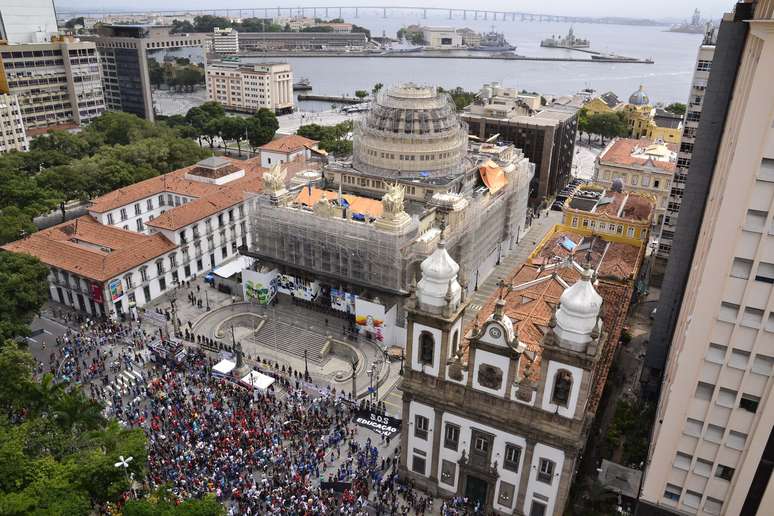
(288, 144)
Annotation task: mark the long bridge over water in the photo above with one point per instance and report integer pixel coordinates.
(356, 11)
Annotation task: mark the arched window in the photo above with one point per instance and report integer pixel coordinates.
(426, 348)
(455, 342)
(562, 387)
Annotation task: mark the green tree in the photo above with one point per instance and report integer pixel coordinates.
(70, 145)
(234, 128)
(212, 130)
(677, 108)
(377, 87)
(318, 28)
(15, 223)
(72, 22)
(155, 73)
(23, 289)
(608, 125)
(460, 97)
(179, 26)
(162, 503)
(208, 23)
(361, 94)
(583, 123)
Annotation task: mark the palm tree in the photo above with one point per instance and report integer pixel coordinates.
(74, 411)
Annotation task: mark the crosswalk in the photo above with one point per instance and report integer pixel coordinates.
(122, 383)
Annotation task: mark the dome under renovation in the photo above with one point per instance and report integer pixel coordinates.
(410, 131)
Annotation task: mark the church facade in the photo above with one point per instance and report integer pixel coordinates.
(499, 411)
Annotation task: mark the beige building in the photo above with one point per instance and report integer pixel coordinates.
(442, 37)
(249, 88)
(12, 133)
(712, 445)
(57, 83)
(642, 166)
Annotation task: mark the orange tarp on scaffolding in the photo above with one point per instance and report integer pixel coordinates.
(357, 204)
(493, 176)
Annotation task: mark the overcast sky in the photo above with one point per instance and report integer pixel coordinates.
(653, 9)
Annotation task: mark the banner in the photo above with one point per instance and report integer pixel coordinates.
(342, 301)
(116, 289)
(384, 425)
(297, 287)
(336, 486)
(259, 287)
(370, 318)
(96, 293)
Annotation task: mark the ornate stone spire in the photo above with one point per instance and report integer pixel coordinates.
(439, 277)
(578, 314)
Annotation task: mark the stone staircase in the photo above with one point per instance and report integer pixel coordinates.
(291, 339)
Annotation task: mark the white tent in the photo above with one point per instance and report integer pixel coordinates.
(223, 367)
(229, 269)
(257, 380)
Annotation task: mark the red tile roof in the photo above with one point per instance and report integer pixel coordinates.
(288, 144)
(92, 250)
(620, 153)
(172, 182)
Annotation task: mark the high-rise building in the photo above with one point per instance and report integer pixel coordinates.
(58, 84)
(546, 134)
(124, 52)
(12, 133)
(692, 115)
(712, 448)
(27, 21)
(249, 88)
(225, 41)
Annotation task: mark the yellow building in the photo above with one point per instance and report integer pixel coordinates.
(622, 216)
(665, 126)
(640, 165)
(605, 103)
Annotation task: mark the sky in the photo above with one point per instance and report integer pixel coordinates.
(653, 9)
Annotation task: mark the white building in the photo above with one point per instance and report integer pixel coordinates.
(27, 21)
(142, 240)
(225, 41)
(442, 37)
(249, 88)
(286, 149)
(12, 133)
(498, 412)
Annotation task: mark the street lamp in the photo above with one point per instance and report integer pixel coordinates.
(306, 367)
(124, 463)
(207, 298)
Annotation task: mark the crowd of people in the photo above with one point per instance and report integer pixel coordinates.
(291, 450)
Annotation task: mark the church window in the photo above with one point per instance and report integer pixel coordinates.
(426, 348)
(455, 341)
(562, 386)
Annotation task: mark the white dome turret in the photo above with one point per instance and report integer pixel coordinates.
(439, 286)
(578, 313)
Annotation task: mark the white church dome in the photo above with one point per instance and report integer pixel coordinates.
(439, 277)
(578, 313)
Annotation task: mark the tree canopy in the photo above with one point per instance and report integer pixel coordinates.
(677, 108)
(23, 289)
(115, 150)
(332, 139)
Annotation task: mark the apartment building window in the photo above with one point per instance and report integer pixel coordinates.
(739, 359)
(241, 209)
(421, 426)
(144, 274)
(140, 226)
(160, 267)
(704, 391)
(736, 440)
(765, 272)
(173, 260)
(693, 427)
(448, 472)
(682, 461)
(149, 204)
(762, 365)
(451, 436)
(162, 283)
(110, 219)
(724, 472)
(505, 498)
(224, 252)
(208, 225)
(749, 403)
(137, 209)
(713, 505)
(692, 499)
(128, 280)
(672, 492)
(703, 468)
(220, 220)
(714, 433)
(752, 317)
(538, 508)
(728, 312)
(546, 471)
(124, 216)
(512, 457)
(161, 200)
(755, 220)
(726, 397)
(704, 65)
(741, 268)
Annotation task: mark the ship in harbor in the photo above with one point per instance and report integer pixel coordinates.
(302, 85)
(569, 41)
(493, 42)
(695, 26)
